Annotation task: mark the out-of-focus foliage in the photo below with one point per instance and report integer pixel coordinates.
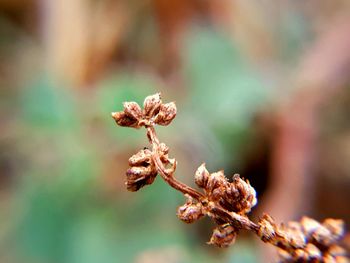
(65, 65)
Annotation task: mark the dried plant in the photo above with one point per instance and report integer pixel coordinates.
(226, 202)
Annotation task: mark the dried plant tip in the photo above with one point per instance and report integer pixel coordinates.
(335, 226)
(151, 105)
(308, 254)
(133, 110)
(238, 196)
(294, 238)
(163, 148)
(139, 176)
(122, 119)
(223, 236)
(309, 225)
(141, 158)
(190, 212)
(201, 176)
(338, 259)
(216, 180)
(337, 251)
(166, 114)
(267, 229)
(313, 252)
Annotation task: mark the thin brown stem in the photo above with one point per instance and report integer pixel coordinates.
(169, 177)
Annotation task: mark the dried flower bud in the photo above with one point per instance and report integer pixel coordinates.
(309, 225)
(223, 236)
(247, 191)
(166, 114)
(313, 252)
(190, 211)
(201, 176)
(141, 158)
(310, 253)
(267, 228)
(139, 176)
(163, 148)
(329, 258)
(300, 255)
(151, 105)
(336, 251)
(238, 196)
(294, 237)
(133, 110)
(323, 236)
(216, 180)
(122, 119)
(335, 226)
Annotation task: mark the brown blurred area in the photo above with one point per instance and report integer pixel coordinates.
(262, 89)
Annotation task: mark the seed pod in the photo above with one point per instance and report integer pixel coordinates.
(151, 105)
(238, 196)
(309, 225)
(201, 176)
(267, 229)
(300, 255)
(216, 180)
(223, 236)
(335, 226)
(141, 158)
(122, 119)
(313, 252)
(133, 110)
(336, 251)
(190, 211)
(295, 238)
(247, 193)
(163, 148)
(139, 176)
(323, 236)
(166, 114)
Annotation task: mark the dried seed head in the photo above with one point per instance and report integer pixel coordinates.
(294, 237)
(151, 105)
(216, 180)
(139, 176)
(336, 251)
(201, 176)
(335, 226)
(323, 236)
(133, 110)
(267, 229)
(166, 114)
(238, 196)
(190, 212)
(309, 226)
(313, 252)
(300, 255)
(223, 236)
(247, 192)
(141, 158)
(122, 119)
(163, 148)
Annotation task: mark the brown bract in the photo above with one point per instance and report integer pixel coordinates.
(227, 203)
(153, 112)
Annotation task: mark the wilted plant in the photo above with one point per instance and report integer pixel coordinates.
(226, 202)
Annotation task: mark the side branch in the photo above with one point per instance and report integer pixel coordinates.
(226, 202)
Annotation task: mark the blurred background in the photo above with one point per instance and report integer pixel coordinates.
(262, 89)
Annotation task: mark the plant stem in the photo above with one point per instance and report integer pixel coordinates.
(169, 177)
